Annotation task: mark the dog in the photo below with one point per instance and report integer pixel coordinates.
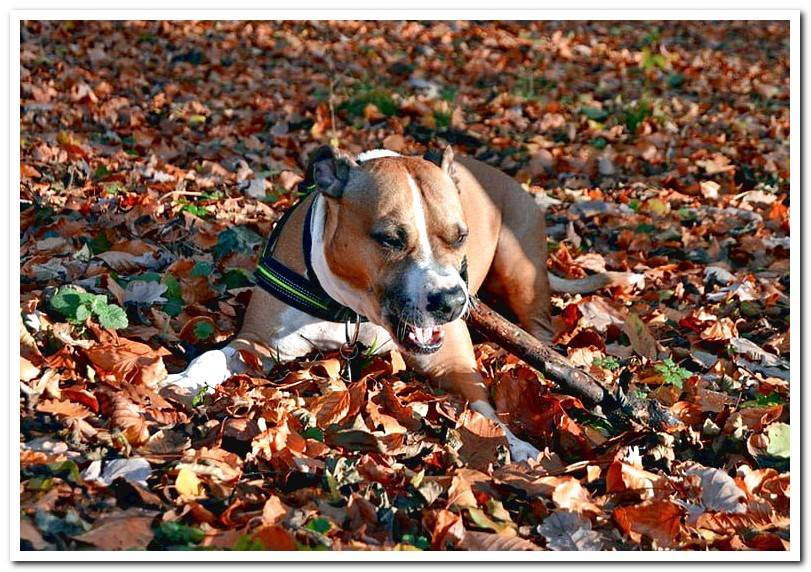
(402, 242)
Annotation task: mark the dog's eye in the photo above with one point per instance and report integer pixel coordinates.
(460, 239)
(390, 241)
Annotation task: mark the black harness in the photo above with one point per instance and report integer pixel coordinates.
(304, 293)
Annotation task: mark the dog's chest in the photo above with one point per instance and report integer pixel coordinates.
(301, 334)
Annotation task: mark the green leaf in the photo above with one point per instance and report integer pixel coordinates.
(172, 286)
(422, 543)
(321, 525)
(114, 188)
(763, 401)
(672, 373)
(67, 470)
(607, 362)
(174, 533)
(366, 95)
(635, 115)
(236, 239)
(174, 306)
(199, 397)
(481, 520)
(198, 211)
(40, 484)
(72, 524)
(651, 60)
(675, 80)
(148, 276)
(594, 113)
(67, 301)
(313, 433)
(113, 317)
(247, 543)
(100, 243)
(203, 330)
(236, 278)
(101, 172)
(779, 435)
(202, 269)
(174, 295)
(82, 314)
(98, 304)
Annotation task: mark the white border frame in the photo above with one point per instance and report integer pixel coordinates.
(793, 16)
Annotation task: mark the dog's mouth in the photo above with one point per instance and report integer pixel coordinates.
(421, 340)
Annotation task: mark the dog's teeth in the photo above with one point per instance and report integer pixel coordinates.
(423, 335)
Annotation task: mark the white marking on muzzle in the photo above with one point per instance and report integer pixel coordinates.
(426, 277)
(425, 254)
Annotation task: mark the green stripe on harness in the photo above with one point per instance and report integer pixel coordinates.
(288, 288)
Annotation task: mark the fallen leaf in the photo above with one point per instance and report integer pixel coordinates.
(565, 530)
(126, 530)
(641, 339)
(188, 484)
(659, 520)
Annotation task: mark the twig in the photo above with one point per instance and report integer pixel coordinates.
(617, 407)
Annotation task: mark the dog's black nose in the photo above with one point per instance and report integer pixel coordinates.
(446, 305)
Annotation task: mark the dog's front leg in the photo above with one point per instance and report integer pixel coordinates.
(215, 366)
(206, 370)
(454, 369)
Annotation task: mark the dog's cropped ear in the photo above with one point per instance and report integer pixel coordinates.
(448, 165)
(447, 162)
(329, 171)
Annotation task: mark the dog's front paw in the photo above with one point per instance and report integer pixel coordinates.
(521, 451)
(209, 369)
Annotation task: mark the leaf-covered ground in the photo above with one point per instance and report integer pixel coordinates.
(155, 157)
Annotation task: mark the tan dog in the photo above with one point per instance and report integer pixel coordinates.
(390, 236)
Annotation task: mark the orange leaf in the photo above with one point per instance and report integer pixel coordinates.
(63, 409)
(480, 439)
(659, 520)
(127, 361)
(275, 538)
(274, 510)
(331, 408)
(127, 417)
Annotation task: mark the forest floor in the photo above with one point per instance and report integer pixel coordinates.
(155, 158)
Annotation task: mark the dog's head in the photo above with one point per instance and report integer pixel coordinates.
(395, 235)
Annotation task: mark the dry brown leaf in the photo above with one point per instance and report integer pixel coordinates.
(481, 438)
(331, 408)
(127, 417)
(473, 540)
(274, 511)
(641, 338)
(128, 361)
(67, 409)
(622, 477)
(659, 520)
(126, 530)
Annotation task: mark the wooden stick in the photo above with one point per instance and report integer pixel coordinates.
(540, 356)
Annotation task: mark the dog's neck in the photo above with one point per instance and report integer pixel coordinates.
(332, 285)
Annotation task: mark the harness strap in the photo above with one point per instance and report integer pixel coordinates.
(304, 293)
